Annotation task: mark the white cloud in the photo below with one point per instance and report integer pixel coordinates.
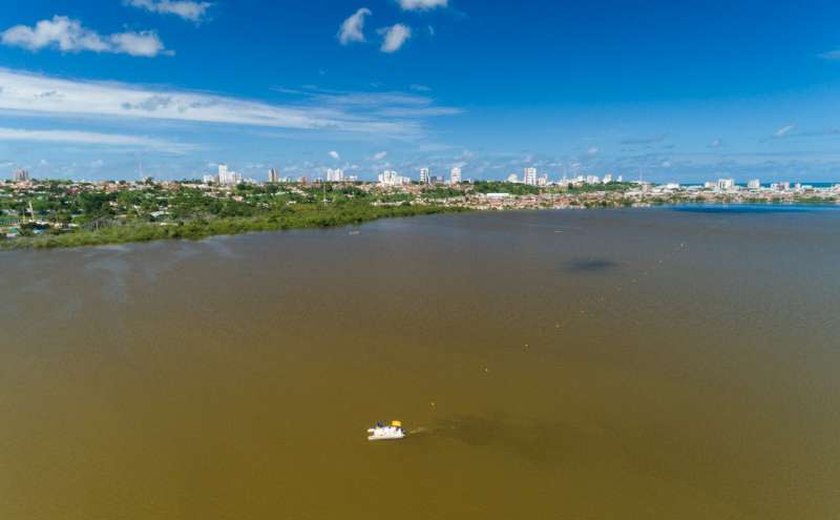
(716, 143)
(188, 10)
(785, 130)
(382, 104)
(145, 44)
(335, 111)
(68, 35)
(422, 5)
(335, 155)
(395, 37)
(352, 29)
(831, 55)
(89, 138)
(379, 156)
(593, 150)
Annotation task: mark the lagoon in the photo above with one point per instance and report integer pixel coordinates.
(634, 363)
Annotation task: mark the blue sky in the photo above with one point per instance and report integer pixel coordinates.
(679, 91)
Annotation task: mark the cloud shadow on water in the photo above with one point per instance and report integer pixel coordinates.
(590, 265)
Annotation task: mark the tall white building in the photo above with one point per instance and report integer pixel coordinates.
(272, 176)
(425, 176)
(335, 175)
(228, 177)
(754, 184)
(455, 175)
(530, 176)
(726, 184)
(392, 178)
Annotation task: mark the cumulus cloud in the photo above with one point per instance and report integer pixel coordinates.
(90, 138)
(335, 155)
(352, 29)
(186, 9)
(379, 156)
(422, 5)
(593, 150)
(69, 35)
(394, 37)
(716, 143)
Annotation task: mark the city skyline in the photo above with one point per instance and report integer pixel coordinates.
(671, 93)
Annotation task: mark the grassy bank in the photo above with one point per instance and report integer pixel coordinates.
(289, 217)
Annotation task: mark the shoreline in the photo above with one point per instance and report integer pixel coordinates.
(201, 229)
(324, 218)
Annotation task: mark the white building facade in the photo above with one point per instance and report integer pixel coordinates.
(335, 175)
(392, 178)
(530, 176)
(228, 177)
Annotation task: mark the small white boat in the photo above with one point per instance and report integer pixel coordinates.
(380, 432)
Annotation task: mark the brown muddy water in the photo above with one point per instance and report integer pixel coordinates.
(584, 365)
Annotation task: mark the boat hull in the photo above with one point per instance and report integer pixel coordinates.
(387, 433)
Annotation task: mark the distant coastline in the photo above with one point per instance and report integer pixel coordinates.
(58, 214)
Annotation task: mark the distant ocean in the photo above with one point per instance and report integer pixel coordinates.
(742, 208)
(768, 184)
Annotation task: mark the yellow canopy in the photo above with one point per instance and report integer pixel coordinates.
(396, 424)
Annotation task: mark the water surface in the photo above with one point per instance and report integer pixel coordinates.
(575, 364)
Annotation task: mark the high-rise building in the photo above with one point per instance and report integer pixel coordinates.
(392, 178)
(272, 176)
(21, 176)
(425, 176)
(227, 177)
(455, 175)
(530, 176)
(335, 175)
(754, 184)
(726, 184)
